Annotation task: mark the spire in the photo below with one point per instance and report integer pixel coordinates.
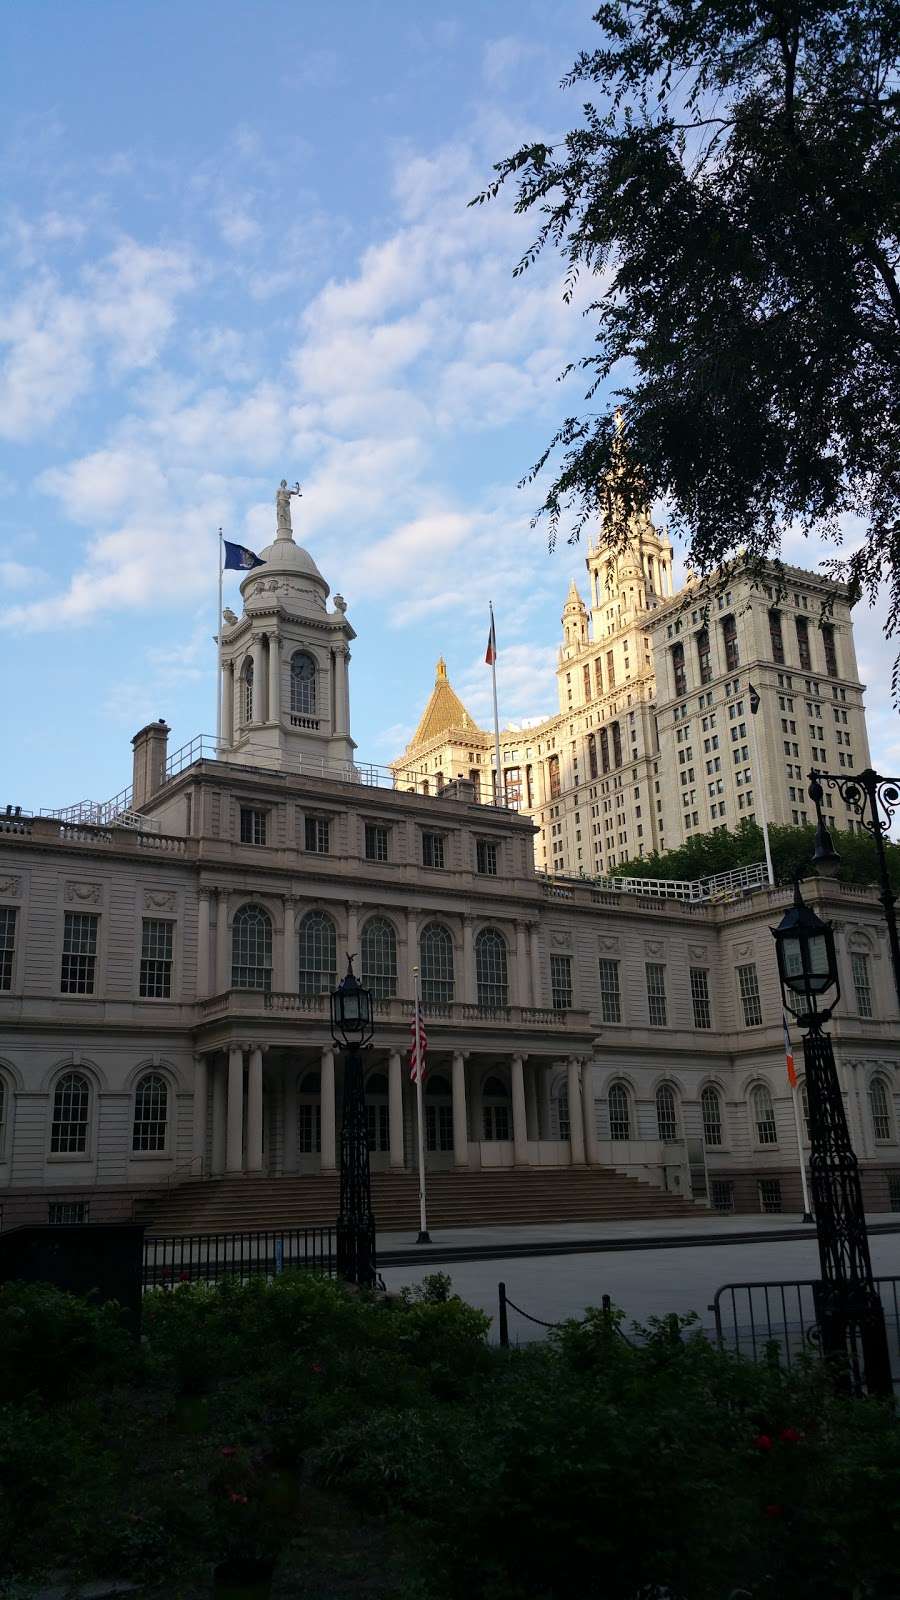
(573, 598)
(440, 671)
(444, 712)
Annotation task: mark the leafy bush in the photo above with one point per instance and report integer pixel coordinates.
(50, 1340)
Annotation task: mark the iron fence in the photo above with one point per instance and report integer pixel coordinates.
(208, 1257)
(759, 1319)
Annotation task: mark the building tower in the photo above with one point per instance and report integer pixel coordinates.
(285, 664)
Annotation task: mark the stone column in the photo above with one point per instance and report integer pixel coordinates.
(228, 704)
(537, 998)
(204, 944)
(576, 1119)
(198, 1140)
(460, 1121)
(523, 984)
(520, 1131)
(289, 1139)
(223, 965)
(532, 1109)
(237, 704)
(234, 1136)
(254, 1111)
(326, 1096)
(340, 689)
(274, 678)
(290, 978)
(217, 1162)
(260, 687)
(469, 988)
(395, 1107)
(591, 1150)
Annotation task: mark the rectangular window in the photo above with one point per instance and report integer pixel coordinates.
(438, 1127)
(432, 849)
(610, 670)
(63, 1212)
(616, 744)
(79, 958)
(703, 659)
(769, 1190)
(893, 1193)
(561, 982)
(376, 842)
(486, 858)
(862, 984)
(604, 750)
(253, 826)
(587, 680)
(309, 1129)
(378, 1127)
(748, 985)
(156, 959)
(729, 639)
(7, 944)
(721, 1193)
(831, 666)
(656, 994)
(610, 1000)
(803, 644)
(598, 675)
(776, 637)
(700, 997)
(316, 833)
(678, 670)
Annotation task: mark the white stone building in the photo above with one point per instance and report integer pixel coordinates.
(166, 962)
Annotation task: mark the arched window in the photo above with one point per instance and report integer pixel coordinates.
(251, 949)
(71, 1109)
(436, 956)
(666, 1114)
(151, 1110)
(379, 958)
(303, 684)
(309, 1114)
(619, 1113)
(490, 968)
(438, 1114)
(763, 1112)
(247, 690)
(377, 1112)
(711, 1110)
(562, 1111)
(879, 1107)
(317, 954)
(495, 1109)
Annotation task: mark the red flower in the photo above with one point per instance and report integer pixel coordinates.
(184, 1277)
(236, 1498)
(774, 1511)
(317, 1367)
(790, 1436)
(762, 1441)
(228, 1450)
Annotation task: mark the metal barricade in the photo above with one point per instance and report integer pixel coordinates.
(765, 1320)
(208, 1257)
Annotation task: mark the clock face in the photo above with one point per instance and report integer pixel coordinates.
(304, 668)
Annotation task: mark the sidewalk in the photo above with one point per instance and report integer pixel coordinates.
(576, 1238)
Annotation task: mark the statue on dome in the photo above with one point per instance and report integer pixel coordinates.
(283, 508)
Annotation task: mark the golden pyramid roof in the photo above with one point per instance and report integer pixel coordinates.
(444, 712)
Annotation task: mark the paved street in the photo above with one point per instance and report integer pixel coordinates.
(643, 1282)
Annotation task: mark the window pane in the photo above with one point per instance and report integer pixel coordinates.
(666, 1116)
(748, 984)
(150, 1113)
(656, 994)
(376, 842)
(71, 1104)
(79, 953)
(251, 949)
(317, 954)
(156, 959)
(303, 684)
(253, 826)
(700, 997)
(764, 1115)
(879, 1107)
(561, 982)
(316, 835)
(862, 985)
(486, 857)
(711, 1107)
(7, 944)
(490, 968)
(432, 850)
(610, 1005)
(436, 959)
(619, 1113)
(379, 958)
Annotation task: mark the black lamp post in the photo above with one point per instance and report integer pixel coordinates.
(352, 1029)
(848, 1310)
(874, 799)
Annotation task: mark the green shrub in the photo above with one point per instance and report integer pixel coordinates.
(50, 1340)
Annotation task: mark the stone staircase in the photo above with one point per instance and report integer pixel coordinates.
(455, 1200)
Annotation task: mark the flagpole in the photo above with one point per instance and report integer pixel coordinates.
(500, 793)
(219, 660)
(761, 794)
(424, 1236)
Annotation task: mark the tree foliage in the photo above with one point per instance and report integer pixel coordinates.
(733, 195)
(792, 851)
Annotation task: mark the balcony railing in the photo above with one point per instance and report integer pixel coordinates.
(455, 1013)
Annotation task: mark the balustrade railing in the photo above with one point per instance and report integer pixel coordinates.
(395, 1009)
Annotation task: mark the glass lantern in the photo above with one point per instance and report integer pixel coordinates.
(804, 946)
(351, 1012)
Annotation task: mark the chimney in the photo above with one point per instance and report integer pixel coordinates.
(149, 746)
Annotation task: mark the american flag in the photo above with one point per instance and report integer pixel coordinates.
(418, 1050)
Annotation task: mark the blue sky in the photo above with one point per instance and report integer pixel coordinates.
(235, 247)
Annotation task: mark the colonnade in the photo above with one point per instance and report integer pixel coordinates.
(234, 1141)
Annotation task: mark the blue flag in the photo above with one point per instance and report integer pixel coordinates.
(239, 559)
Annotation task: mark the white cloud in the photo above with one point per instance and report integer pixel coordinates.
(16, 575)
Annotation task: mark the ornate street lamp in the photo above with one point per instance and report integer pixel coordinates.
(352, 1029)
(848, 1309)
(875, 800)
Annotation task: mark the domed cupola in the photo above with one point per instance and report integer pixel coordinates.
(285, 661)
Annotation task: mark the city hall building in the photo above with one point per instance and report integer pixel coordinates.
(166, 959)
